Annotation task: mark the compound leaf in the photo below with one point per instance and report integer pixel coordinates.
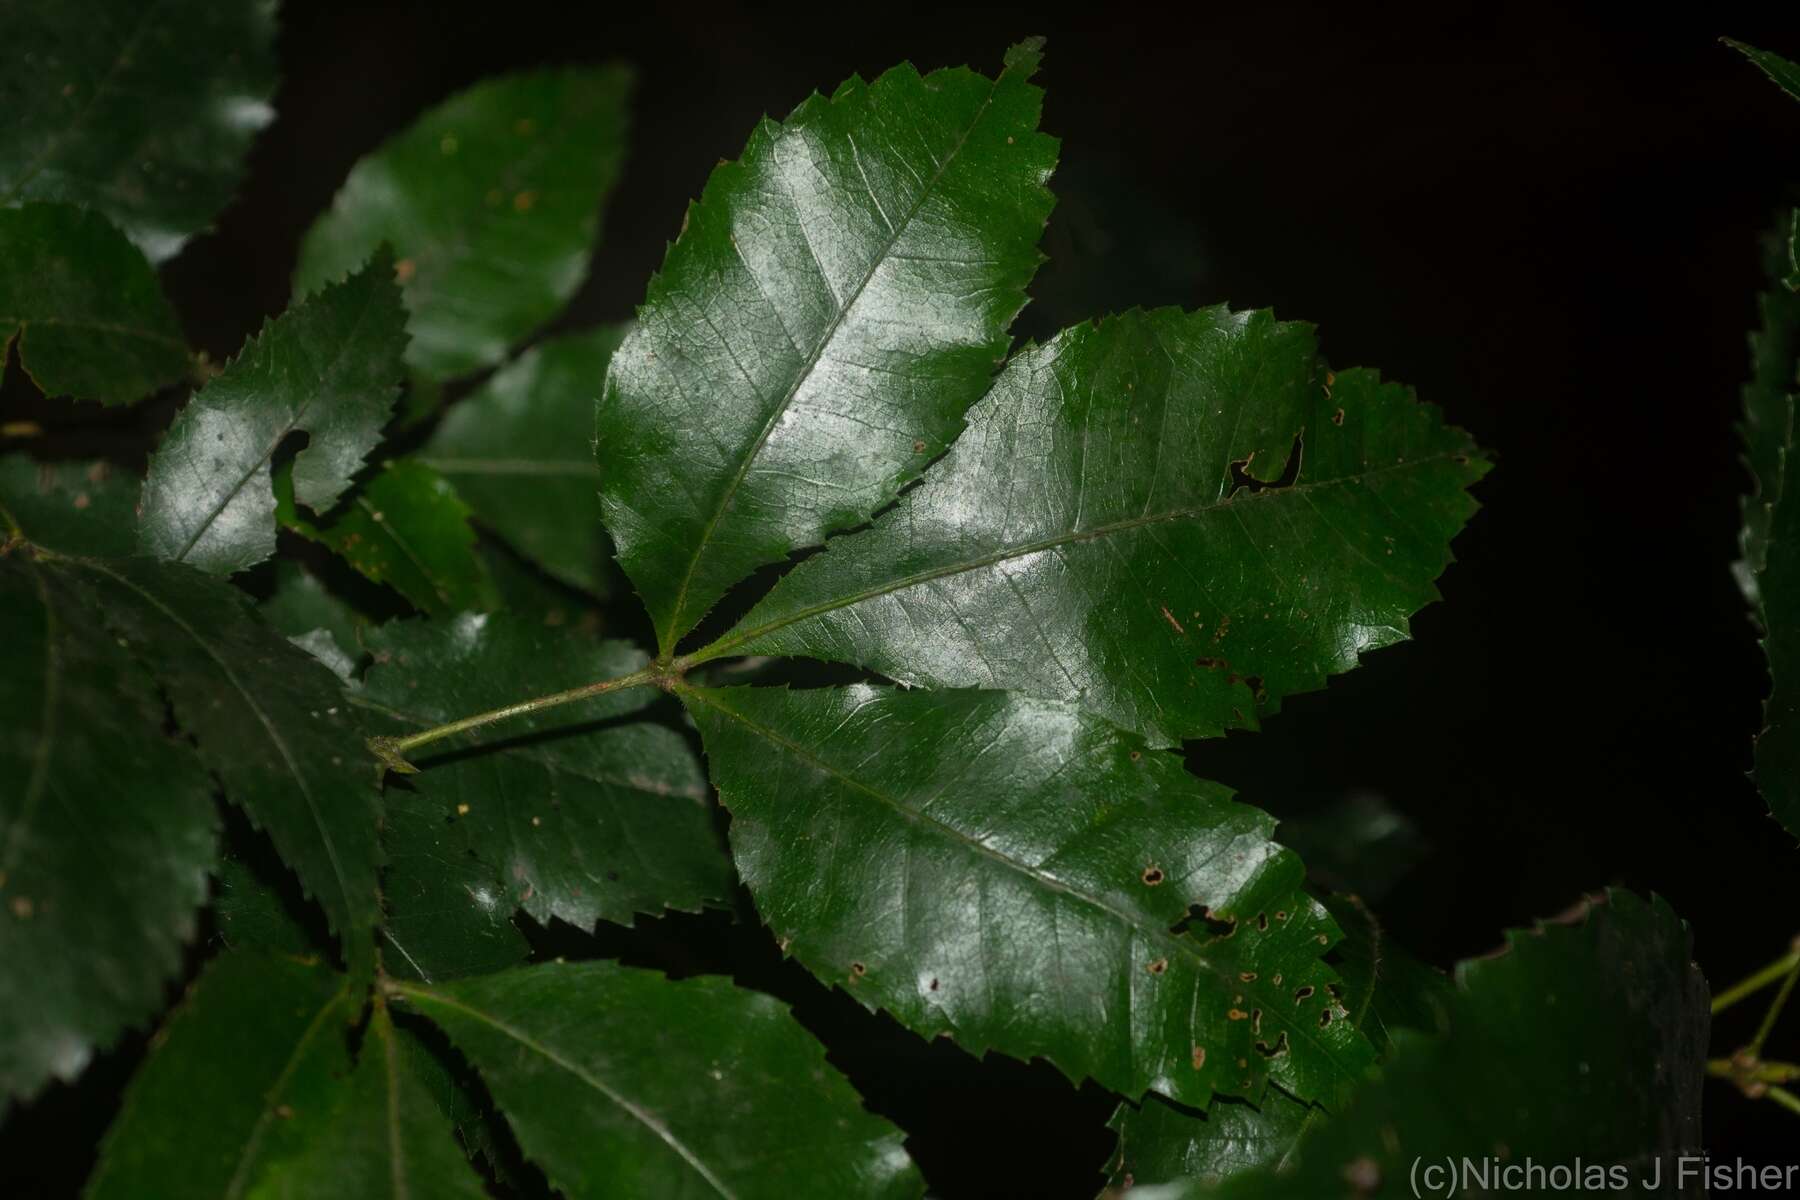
(517, 450)
(143, 112)
(107, 829)
(581, 812)
(836, 300)
(328, 367)
(491, 201)
(1023, 876)
(700, 1089)
(89, 315)
(241, 1080)
(1123, 526)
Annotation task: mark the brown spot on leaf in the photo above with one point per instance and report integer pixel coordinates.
(1152, 876)
(1158, 967)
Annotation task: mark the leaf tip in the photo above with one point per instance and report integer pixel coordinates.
(1025, 56)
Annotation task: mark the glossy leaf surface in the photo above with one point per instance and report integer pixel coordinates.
(517, 450)
(1385, 989)
(582, 812)
(836, 300)
(143, 112)
(1588, 1039)
(1116, 528)
(241, 1081)
(448, 913)
(1027, 878)
(491, 201)
(90, 318)
(269, 721)
(406, 528)
(649, 1110)
(329, 368)
(107, 829)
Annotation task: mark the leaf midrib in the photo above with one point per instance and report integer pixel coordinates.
(234, 1188)
(326, 382)
(667, 637)
(269, 726)
(737, 638)
(636, 1111)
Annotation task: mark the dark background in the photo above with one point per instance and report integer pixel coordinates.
(1549, 225)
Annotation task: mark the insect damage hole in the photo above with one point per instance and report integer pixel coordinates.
(1199, 919)
(1157, 967)
(1152, 876)
(1243, 481)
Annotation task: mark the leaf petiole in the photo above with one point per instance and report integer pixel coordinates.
(1785, 965)
(392, 751)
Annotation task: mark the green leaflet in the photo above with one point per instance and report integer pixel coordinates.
(140, 111)
(1769, 572)
(580, 812)
(836, 300)
(1027, 878)
(328, 367)
(107, 829)
(269, 721)
(492, 203)
(1384, 988)
(1588, 1041)
(1785, 74)
(384, 1136)
(448, 914)
(241, 1080)
(71, 507)
(650, 1109)
(1164, 1142)
(1768, 398)
(87, 310)
(1114, 529)
(517, 450)
(406, 528)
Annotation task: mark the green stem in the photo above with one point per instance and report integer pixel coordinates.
(1757, 982)
(1780, 1002)
(1754, 1071)
(392, 751)
(1785, 1098)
